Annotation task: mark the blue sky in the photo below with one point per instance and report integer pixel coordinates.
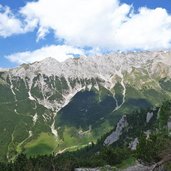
(150, 3)
(29, 31)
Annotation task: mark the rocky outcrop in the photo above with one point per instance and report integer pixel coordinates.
(133, 144)
(149, 116)
(87, 169)
(169, 124)
(138, 167)
(114, 136)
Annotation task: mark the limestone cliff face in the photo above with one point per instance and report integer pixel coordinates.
(114, 136)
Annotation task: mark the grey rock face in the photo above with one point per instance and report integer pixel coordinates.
(138, 167)
(96, 66)
(87, 169)
(169, 124)
(149, 116)
(114, 136)
(133, 144)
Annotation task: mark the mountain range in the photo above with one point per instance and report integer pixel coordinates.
(51, 107)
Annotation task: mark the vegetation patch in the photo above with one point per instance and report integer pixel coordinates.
(44, 144)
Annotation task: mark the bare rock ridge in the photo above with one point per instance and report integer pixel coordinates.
(106, 71)
(114, 136)
(96, 66)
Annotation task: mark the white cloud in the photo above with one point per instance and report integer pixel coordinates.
(4, 69)
(149, 29)
(78, 22)
(104, 24)
(10, 24)
(60, 52)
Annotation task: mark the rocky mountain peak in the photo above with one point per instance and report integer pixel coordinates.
(95, 66)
